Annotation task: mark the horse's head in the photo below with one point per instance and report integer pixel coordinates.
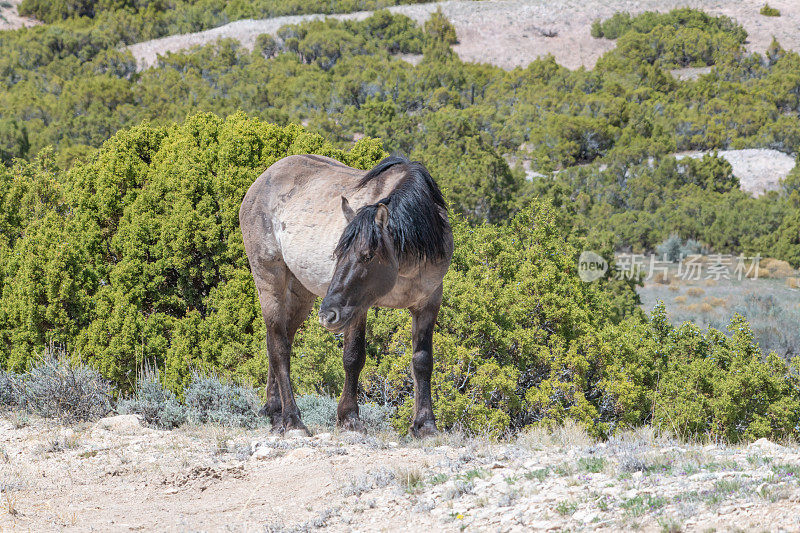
(366, 266)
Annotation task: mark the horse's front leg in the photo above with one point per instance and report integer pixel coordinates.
(423, 320)
(353, 358)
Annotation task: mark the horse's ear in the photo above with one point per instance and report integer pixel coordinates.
(349, 214)
(382, 215)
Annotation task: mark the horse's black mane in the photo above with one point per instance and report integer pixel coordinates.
(415, 221)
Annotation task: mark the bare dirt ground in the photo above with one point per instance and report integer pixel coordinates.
(759, 170)
(10, 19)
(511, 33)
(116, 475)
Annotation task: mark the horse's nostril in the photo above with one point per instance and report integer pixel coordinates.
(330, 317)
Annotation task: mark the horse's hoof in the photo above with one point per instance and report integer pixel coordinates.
(426, 429)
(295, 428)
(296, 433)
(353, 424)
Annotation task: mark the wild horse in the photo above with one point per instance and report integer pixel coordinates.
(304, 240)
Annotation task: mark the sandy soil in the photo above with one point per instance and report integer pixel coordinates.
(10, 19)
(116, 475)
(511, 33)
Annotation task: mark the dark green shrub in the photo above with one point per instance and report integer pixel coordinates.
(266, 45)
(621, 23)
(438, 28)
(716, 386)
(118, 267)
(768, 11)
(679, 38)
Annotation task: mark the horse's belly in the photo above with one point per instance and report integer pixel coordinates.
(310, 258)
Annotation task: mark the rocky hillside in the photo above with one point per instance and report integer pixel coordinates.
(117, 475)
(511, 33)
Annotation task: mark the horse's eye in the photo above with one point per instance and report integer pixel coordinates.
(365, 257)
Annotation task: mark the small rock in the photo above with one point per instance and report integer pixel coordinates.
(766, 445)
(480, 484)
(585, 515)
(638, 475)
(295, 434)
(496, 464)
(263, 452)
(497, 479)
(393, 444)
(324, 437)
(171, 490)
(299, 453)
(120, 424)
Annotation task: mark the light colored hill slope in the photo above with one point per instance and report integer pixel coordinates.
(758, 170)
(511, 33)
(10, 19)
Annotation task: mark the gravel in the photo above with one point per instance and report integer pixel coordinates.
(119, 475)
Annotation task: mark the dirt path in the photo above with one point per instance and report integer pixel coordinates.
(118, 476)
(511, 33)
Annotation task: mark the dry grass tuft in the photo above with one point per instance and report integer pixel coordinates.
(680, 299)
(662, 277)
(695, 291)
(704, 308)
(793, 283)
(10, 502)
(410, 479)
(775, 268)
(674, 287)
(715, 302)
(568, 435)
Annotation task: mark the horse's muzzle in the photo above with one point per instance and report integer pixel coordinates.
(330, 318)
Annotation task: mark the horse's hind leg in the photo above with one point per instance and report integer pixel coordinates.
(272, 407)
(299, 304)
(284, 305)
(353, 358)
(423, 320)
